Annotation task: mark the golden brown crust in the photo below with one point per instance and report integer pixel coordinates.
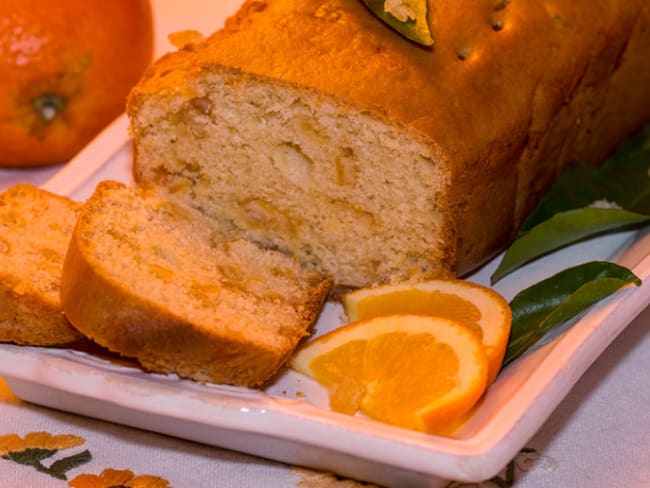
(112, 300)
(508, 95)
(34, 230)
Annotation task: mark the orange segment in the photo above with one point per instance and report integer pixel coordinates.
(414, 371)
(477, 307)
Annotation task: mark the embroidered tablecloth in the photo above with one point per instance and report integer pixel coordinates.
(599, 436)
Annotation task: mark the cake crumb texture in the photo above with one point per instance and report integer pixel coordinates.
(35, 228)
(313, 128)
(164, 284)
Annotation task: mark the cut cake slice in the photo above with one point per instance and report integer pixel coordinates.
(35, 228)
(161, 283)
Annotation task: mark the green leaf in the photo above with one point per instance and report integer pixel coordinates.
(622, 179)
(578, 186)
(31, 456)
(627, 172)
(622, 183)
(59, 468)
(408, 17)
(562, 229)
(555, 300)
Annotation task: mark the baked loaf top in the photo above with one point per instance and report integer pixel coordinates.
(160, 283)
(35, 228)
(483, 122)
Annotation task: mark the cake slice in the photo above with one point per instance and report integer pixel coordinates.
(162, 284)
(35, 228)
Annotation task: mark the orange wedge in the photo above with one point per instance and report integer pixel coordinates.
(415, 371)
(477, 307)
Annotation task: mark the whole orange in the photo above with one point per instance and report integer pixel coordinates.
(66, 67)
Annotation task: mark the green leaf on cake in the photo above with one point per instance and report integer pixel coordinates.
(555, 300)
(408, 17)
(586, 201)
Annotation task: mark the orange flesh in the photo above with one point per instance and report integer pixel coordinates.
(423, 302)
(385, 377)
(340, 372)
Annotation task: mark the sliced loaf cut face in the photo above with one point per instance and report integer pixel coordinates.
(288, 168)
(160, 283)
(35, 228)
(314, 127)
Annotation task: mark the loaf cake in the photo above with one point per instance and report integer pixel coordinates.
(313, 128)
(160, 283)
(35, 228)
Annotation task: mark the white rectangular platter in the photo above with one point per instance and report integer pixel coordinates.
(289, 420)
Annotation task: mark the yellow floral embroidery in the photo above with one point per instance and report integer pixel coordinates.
(38, 440)
(118, 478)
(36, 447)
